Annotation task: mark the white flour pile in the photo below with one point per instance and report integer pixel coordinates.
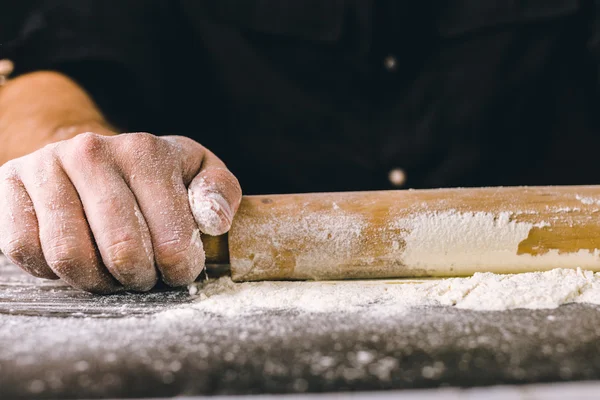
(483, 291)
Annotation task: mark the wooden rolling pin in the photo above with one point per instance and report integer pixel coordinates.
(413, 233)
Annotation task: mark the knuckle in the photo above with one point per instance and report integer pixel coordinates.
(12, 189)
(172, 252)
(20, 252)
(9, 171)
(142, 141)
(122, 252)
(142, 151)
(71, 262)
(62, 255)
(16, 250)
(124, 258)
(9, 184)
(129, 263)
(88, 147)
(177, 263)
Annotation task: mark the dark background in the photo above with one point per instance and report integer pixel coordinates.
(12, 13)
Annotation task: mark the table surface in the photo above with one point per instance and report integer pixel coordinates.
(58, 342)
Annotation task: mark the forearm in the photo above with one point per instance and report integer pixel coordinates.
(41, 108)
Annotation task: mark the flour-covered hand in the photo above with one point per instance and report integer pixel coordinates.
(107, 213)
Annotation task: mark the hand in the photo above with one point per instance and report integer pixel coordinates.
(111, 213)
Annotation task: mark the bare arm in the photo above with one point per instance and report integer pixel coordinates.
(42, 108)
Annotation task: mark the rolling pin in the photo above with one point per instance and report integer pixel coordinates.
(411, 233)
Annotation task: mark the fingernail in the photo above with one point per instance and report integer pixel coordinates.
(212, 212)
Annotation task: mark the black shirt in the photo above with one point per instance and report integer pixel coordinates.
(321, 95)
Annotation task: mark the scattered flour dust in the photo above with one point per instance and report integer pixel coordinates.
(482, 291)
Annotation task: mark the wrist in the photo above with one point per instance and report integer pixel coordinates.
(41, 108)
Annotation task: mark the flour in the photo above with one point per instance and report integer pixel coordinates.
(455, 243)
(145, 233)
(482, 291)
(380, 298)
(212, 212)
(293, 336)
(587, 200)
(329, 240)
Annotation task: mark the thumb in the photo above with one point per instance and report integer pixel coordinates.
(214, 192)
(215, 197)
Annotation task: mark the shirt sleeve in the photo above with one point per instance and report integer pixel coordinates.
(115, 49)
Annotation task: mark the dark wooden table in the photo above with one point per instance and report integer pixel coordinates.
(58, 342)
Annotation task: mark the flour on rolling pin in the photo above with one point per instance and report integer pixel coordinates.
(449, 240)
(444, 232)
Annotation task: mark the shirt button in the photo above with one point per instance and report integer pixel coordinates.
(6, 68)
(397, 177)
(390, 63)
